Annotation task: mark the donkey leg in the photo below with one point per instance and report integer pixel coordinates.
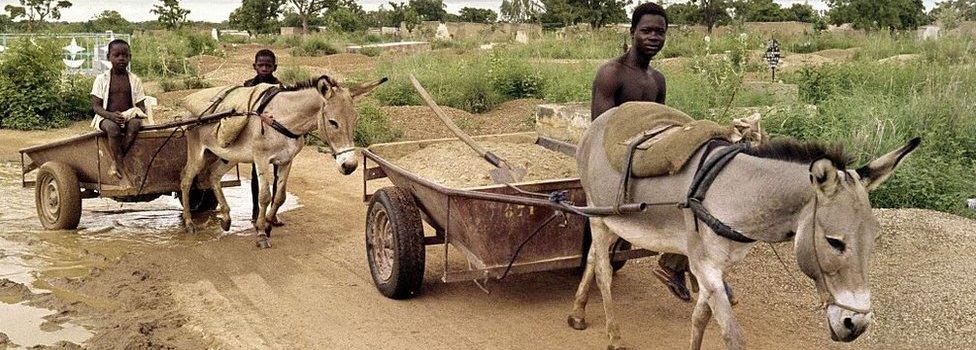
(217, 171)
(279, 193)
(700, 318)
(711, 283)
(600, 251)
(194, 164)
(264, 199)
(577, 318)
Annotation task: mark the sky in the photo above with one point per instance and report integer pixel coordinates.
(219, 10)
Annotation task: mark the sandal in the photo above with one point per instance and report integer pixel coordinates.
(674, 282)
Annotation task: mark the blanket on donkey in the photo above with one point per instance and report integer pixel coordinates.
(677, 137)
(222, 99)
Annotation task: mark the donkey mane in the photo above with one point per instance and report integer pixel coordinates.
(312, 83)
(804, 152)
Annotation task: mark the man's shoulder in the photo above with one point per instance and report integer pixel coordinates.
(609, 67)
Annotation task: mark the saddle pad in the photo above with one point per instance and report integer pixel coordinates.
(240, 99)
(678, 137)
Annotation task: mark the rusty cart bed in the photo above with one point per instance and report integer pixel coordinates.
(487, 224)
(75, 168)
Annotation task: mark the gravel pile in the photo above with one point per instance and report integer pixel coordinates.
(454, 164)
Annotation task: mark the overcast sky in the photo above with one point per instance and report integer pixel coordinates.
(219, 10)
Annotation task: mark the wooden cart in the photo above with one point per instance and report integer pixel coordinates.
(72, 169)
(500, 230)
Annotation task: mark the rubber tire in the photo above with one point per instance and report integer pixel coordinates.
(202, 200)
(588, 239)
(69, 196)
(407, 276)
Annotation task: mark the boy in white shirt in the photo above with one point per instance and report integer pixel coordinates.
(118, 101)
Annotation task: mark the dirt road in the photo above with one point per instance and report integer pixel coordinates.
(313, 290)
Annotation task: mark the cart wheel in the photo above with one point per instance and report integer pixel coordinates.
(202, 200)
(57, 196)
(394, 243)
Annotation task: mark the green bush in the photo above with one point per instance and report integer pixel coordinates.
(373, 126)
(183, 83)
(293, 74)
(165, 55)
(314, 46)
(33, 94)
(371, 51)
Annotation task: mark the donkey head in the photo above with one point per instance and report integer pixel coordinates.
(337, 119)
(835, 239)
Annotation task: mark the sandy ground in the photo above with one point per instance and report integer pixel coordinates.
(313, 290)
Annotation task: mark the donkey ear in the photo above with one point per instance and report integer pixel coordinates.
(366, 88)
(823, 175)
(876, 172)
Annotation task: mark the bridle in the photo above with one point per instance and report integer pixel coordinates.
(830, 298)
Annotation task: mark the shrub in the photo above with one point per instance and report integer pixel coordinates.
(373, 126)
(164, 55)
(371, 51)
(293, 74)
(31, 89)
(183, 83)
(314, 46)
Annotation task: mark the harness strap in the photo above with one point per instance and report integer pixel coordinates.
(703, 181)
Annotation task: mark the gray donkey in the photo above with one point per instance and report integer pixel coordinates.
(320, 103)
(775, 192)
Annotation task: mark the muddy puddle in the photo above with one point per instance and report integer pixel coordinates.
(31, 256)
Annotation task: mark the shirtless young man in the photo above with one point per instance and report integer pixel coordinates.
(114, 95)
(630, 77)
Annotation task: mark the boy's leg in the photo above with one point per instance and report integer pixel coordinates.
(113, 132)
(131, 131)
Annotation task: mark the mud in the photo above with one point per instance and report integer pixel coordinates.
(37, 265)
(454, 164)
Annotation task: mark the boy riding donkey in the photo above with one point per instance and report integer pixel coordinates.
(630, 77)
(119, 103)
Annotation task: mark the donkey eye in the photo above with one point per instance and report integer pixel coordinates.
(334, 123)
(837, 244)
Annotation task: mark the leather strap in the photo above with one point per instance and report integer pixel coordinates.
(703, 181)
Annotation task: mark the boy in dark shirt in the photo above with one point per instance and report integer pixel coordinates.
(119, 103)
(264, 67)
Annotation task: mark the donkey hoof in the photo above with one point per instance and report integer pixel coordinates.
(264, 243)
(224, 223)
(190, 230)
(576, 323)
(616, 347)
(276, 222)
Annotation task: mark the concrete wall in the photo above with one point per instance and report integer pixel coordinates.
(465, 30)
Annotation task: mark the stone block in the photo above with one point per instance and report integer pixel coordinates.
(565, 122)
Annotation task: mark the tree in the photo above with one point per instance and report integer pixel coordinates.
(758, 11)
(257, 16)
(520, 11)
(597, 13)
(429, 10)
(5, 23)
(308, 9)
(109, 20)
(711, 12)
(347, 16)
(870, 14)
(684, 13)
(951, 12)
(171, 15)
(405, 14)
(801, 13)
(476, 15)
(36, 11)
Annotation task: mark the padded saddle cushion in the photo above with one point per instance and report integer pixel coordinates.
(677, 137)
(228, 98)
